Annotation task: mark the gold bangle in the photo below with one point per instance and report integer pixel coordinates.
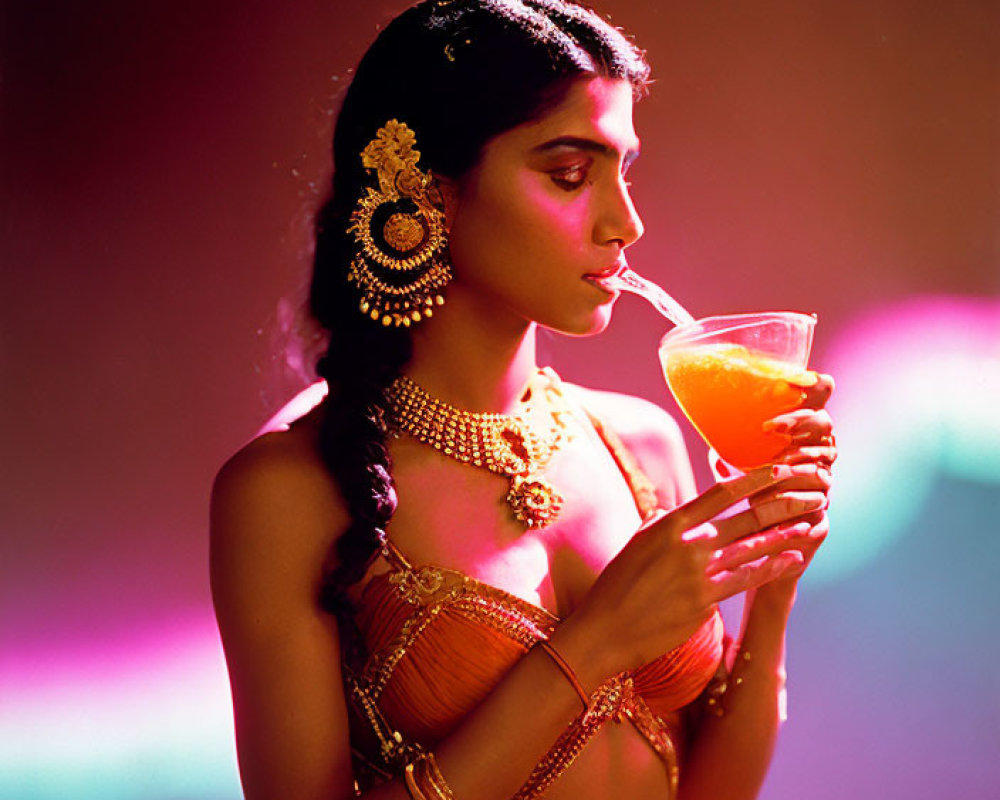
(412, 787)
(567, 670)
(440, 785)
(424, 780)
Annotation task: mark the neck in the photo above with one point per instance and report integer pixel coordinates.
(472, 356)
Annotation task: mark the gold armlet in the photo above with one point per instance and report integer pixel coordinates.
(424, 780)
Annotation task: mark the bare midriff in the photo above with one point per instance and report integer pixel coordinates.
(617, 763)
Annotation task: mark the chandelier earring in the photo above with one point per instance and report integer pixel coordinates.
(401, 262)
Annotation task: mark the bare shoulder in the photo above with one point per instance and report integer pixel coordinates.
(650, 434)
(279, 469)
(275, 514)
(275, 511)
(636, 420)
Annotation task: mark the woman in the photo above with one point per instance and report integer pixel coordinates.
(432, 585)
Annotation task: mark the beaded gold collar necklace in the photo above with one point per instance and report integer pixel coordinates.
(508, 445)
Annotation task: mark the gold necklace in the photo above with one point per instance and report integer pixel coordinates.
(505, 444)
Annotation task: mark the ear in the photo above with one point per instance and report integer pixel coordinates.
(444, 191)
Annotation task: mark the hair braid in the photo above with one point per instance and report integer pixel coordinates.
(361, 360)
(353, 430)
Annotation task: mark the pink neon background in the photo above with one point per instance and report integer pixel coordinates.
(158, 166)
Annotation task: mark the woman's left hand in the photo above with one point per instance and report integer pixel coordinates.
(809, 428)
(811, 452)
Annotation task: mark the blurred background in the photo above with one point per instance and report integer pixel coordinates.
(159, 165)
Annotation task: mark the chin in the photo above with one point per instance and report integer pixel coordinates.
(590, 325)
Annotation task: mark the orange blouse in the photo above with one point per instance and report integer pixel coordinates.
(435, 642)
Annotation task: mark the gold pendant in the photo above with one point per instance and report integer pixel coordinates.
(534, 500)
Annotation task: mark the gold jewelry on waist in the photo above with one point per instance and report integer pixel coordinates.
(506, 444)
(614, 701)
(424, 780)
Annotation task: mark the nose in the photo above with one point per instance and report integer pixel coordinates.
(617, 221)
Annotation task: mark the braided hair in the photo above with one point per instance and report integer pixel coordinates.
(458, 73)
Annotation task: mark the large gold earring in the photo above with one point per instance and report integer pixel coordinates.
(401, 264)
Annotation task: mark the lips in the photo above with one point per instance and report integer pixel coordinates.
(607, 272)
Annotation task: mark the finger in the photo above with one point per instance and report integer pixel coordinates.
(818, 531)
(752, 548)
(806, 476)
(722, 495)
(813, 439)
(654, 517)
(781, 509)
(823, 454)
(705, 532)
(804, 536)
(801, 421)
(816, 395)
(745, 577)
(818, 522)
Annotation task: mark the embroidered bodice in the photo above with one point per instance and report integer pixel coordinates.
(434, 642)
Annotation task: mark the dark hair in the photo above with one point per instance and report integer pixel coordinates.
(458, 73)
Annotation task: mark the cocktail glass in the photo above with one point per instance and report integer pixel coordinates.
(732, 373)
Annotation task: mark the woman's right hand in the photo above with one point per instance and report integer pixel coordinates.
(668, 579)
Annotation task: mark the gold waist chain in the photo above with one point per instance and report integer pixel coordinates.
(614, 700)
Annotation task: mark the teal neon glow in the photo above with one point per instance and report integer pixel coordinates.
(149, 722)
(916, 399)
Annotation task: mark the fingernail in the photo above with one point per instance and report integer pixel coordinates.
(776, 426)
(796, 569)
(814, 503)
(797, 504)
(793, 470)
(798, 529)
(804, 379)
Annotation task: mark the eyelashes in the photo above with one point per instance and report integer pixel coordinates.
(569, 178)
(574, 177)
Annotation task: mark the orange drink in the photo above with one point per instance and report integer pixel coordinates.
(731, 374)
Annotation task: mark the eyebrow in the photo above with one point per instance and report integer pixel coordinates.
(590, 145)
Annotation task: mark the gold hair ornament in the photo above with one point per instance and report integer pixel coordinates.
(401, 263)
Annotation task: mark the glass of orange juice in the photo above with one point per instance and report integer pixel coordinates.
(732, 373)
